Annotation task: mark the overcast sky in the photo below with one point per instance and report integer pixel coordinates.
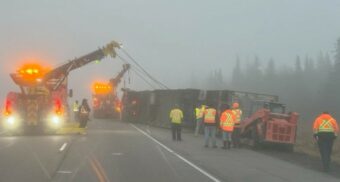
(171, 39)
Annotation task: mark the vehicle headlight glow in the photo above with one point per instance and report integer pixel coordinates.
(55, 119)
(10, 120)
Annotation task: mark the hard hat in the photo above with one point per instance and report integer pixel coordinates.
(235, 105)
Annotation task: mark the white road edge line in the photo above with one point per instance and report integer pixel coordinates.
(63, 147)
(64, 172)
(177, 155)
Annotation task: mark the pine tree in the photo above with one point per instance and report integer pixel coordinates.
(298, 67)
(237, 77)
(271, 69)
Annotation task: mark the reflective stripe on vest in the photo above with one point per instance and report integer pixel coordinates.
(83, 110)
(210, 115)
(326, 126)
(227, 123)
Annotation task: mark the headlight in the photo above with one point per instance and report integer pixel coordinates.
(55, 120)
(10, 120)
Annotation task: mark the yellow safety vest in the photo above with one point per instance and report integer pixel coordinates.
(199, 112)
(176, 116)
(75, 107)
(238, 115)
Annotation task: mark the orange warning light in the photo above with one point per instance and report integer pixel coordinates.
(32, 72)
(101, 88)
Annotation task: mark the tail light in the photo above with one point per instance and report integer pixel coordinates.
(58, 107)
(8, 108)
(95, 102)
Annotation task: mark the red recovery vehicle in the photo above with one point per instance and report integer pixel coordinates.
(267, 122)
(42, 103)
(106, 103)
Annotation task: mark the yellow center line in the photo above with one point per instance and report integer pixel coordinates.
(101, 169)
(96, 170)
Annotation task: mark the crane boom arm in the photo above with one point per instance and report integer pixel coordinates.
(99, 54)
(115, 81)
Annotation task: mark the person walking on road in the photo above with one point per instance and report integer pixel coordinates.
(199, 111)
(176, 117)
(325, 130)
(84, 112)
(76, 111)
(210, 127)
(236, 133)
(227, 121)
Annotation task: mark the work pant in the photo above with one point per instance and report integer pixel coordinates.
(75, 116)
(209, 132)
(325, 143)
(83, 121)
(198, 125)
(176, 131)
(226, 136)
(236, 136)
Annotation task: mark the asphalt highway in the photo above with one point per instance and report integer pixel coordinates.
(123, 152)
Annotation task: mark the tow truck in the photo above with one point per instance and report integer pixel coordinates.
(106, 103)
(41, 105)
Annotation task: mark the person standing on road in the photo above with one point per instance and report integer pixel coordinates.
(199, 111)
(227, 121)
(325, 130)
(76, 111)
(236, 133)
(84, 112)
(210, 126)
(176, 117)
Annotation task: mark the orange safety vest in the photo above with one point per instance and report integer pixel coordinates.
(238, 114)
(227, 120)
(210, 116)
(325, 123)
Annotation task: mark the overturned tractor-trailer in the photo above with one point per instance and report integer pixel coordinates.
(264, 119)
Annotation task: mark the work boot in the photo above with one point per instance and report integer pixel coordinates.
(224, 145)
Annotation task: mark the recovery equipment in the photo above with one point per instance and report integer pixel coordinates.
(42, 100)
(106, 103)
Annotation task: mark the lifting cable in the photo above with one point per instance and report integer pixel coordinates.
(141, 74)
(151, 77)
(137, 72)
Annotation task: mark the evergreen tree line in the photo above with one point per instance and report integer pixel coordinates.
(309, 87)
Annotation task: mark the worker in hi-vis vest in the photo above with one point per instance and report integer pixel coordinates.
(76, 111)
(325, 130)
(236, 133)
(176, 117)
(199, 111)
(227, 122)
(210, 126)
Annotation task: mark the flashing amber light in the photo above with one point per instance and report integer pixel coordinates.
(102, 88)
(118, 109)
(32, 72)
